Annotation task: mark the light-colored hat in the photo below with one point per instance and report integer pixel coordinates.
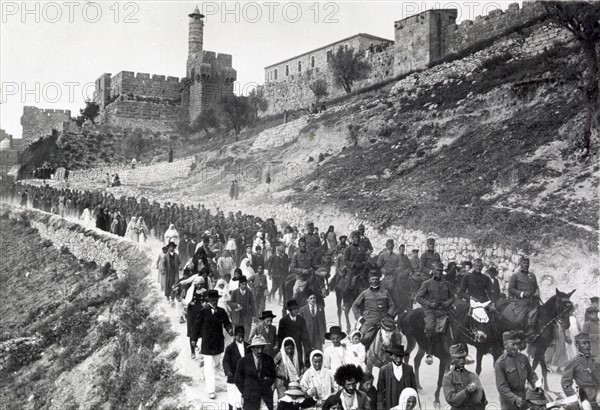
(199, 280)
(294, 389)
(258, 341)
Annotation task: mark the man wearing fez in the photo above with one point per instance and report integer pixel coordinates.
(583, 370)
(208, 326)
(233, 354)
(463, 389)
(255, 375)
(293, 325)
(393, 378)
(512, 370)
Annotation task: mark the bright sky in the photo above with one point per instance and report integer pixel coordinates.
(52, 52)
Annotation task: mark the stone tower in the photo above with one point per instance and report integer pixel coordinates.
(210, 75)
(196, 38)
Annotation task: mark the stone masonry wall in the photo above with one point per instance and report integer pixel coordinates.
(130, 84)
(39, 122)
(146, 115)
(142, 174)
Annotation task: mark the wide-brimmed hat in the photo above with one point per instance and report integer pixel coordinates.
(334, 330)
(591, 309)
(239, 330)
(458, 350)
(173, 244)
(267, 314)
(258, 341)
(292, 304)
(398, 350)
(213, 294)
(198, 280)
(294, 389)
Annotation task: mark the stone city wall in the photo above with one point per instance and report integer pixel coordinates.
(39, 122)
(146, 115)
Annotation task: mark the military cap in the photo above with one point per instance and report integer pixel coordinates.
(430, 240)
(343, 237)
(361, 226)
(389, 241)
(355, 233)
(438, 265)
(510, 336)
(594, 299)
(592, 309)
(583, 337)
(536, 396)
(458, 350)
(310, 225)
(303, 239)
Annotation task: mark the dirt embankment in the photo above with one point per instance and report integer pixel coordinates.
(73, 334)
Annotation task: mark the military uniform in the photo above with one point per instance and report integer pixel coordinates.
(523, 288)
(585, 371)
(511, 374)
(375, 305)
(455, 384)
(434, 292)
(355, 259)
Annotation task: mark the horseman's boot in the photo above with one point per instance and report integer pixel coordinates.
(428, 349)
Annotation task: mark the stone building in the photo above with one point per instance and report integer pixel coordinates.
(420, 40)
(38, 122)
(10, 151)
(157, 101)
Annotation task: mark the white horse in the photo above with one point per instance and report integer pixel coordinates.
(387, 336)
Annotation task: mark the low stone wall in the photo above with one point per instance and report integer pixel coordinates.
(90, 245)
(146, 174)
(280, 135)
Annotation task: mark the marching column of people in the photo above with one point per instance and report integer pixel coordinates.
(223, 292)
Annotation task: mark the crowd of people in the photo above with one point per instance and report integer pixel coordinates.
(221, 272)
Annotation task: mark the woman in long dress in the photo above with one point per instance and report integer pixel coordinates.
(86, 216)
(130, 231)
(142, 230)
(171, 235)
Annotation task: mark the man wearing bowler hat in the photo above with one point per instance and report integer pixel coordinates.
(242, 300)
(394, 377)
(512, 370)
(463, 389)
(293, 325)
(583, 370)
(233, 354)
(255, 375)
(266, 329)
(208, 326)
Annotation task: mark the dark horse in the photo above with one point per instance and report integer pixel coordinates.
(347, 287)
(317, 283)
(556, 309)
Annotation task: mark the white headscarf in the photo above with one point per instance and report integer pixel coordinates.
(172, 235)
(198, 280)
(292, 368)
(404, 396)
(321, 379)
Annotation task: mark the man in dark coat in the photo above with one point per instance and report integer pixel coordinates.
(315, 323)
(294, 326)
(255, 375)
(393, 378)
(278, 267)
(209, 324)
(243, 305)
(463, 389)
(233, 353)
(477, 286)
(171, 269)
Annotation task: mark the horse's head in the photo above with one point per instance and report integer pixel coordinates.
(564, 307)
(388, 327)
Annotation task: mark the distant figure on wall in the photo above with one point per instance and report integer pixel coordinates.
(133, 163)
(236, 190)
(170, 154)
(285, 116)
(268, 181)
(232, 190)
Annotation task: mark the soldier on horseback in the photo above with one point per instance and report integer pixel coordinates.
(436, 298)
(524, 290)
(370, 307)
(302, 267)
(428, 259)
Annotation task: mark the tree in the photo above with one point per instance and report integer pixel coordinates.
(132, 144)
(207, 119)
(581, 19)
(319, 89)
(90, 112)
(347, 66)
(238, 112)
(257, 100)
